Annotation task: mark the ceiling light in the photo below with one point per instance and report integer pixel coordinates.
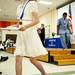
(45, 2)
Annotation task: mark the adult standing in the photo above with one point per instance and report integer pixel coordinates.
(63, 29)
(42, 34)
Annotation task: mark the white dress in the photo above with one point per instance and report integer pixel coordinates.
(28, 42)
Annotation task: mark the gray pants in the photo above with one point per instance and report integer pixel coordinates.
(65, 40)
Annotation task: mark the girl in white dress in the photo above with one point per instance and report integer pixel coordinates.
(28, 42)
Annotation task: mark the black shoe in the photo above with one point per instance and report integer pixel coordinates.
(3, 58)
(0, 72)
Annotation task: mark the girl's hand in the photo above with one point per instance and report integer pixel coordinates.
(22, 29)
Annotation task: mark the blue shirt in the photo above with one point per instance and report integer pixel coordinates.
(63, 26)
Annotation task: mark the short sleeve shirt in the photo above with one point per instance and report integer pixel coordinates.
(31, 6)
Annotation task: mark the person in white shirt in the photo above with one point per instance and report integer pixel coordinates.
(28, 42)
(1, 46)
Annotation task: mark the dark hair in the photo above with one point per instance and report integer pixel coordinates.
(20, 23)
(64, 13)
(42, 24)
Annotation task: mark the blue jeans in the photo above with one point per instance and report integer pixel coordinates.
(65, 40)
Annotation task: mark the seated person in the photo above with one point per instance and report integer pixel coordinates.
(1, 46)
(2, 57)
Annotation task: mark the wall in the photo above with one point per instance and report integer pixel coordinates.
(46, 20)
(4, 32)
(4, 24)
(66, 9)
(50, 22)
(50, 19)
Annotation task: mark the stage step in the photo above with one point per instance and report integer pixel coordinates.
(65, 62)
(63, 56)
(59, 56)
(59, 52)
(44, 58)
